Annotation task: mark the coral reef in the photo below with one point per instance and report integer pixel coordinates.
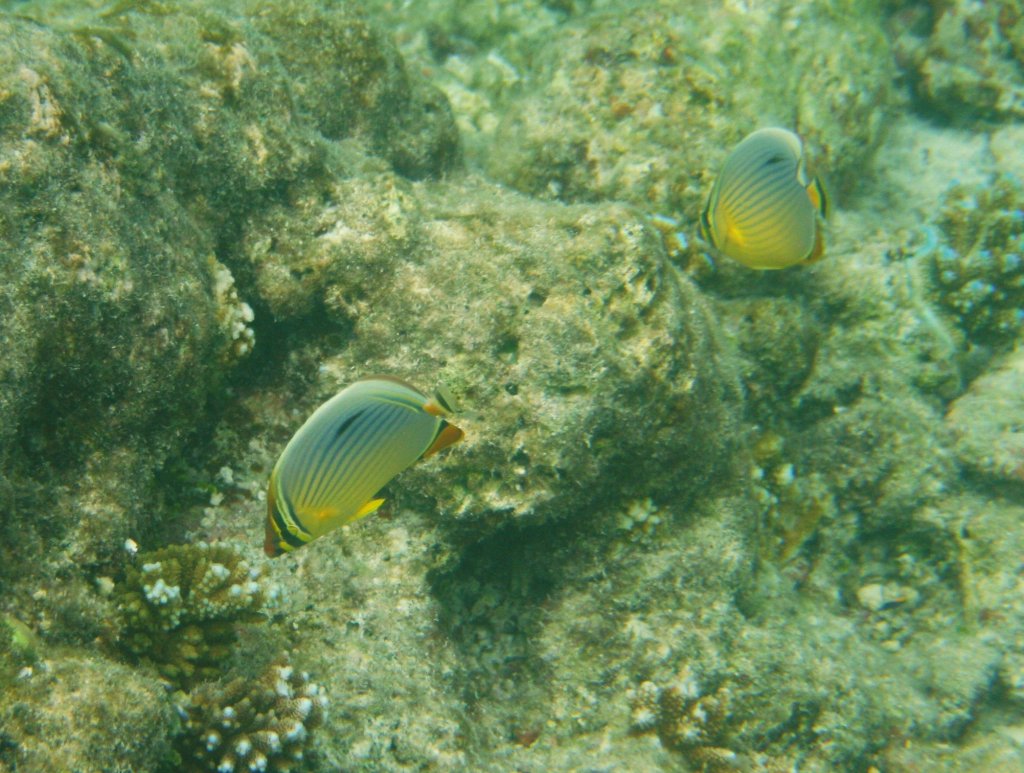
(642, 105)
(179, 607)
(965, 56)
(585, 101)
(136, 139)
(574, 317)
(251, 724)
(979, 259)
(702, 518)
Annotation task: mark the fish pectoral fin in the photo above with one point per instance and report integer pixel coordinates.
(368, 509)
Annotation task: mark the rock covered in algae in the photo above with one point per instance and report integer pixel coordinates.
(642, 102)
(252, 724)
(595, 551)
(335, 244)
(582, 363)
(134, 142)
(581, 356)
(89, 715)
(549, 616)
(988, 422)
(179, 607)
(965, 56)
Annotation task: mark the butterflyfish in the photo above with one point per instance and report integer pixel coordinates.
(764, 210)
(332, 469)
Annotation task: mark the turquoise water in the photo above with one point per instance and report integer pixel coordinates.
(703, 517)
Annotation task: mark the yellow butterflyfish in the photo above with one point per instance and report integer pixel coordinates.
(764, 210)
(332, 468)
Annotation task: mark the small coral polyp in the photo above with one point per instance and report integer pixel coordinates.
(252, 725)
(979, 265)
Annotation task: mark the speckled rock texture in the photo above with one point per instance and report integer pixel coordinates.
(86, 714)
(988, 422)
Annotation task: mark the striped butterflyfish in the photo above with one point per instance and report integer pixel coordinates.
(764, 211)
(332, 468)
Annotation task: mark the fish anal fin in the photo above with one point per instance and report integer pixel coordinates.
(368, 509)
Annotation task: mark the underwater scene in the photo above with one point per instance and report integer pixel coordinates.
(552, 385)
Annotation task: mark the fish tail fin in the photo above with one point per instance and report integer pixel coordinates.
(818, 196)
(818, 251)
(446, 436)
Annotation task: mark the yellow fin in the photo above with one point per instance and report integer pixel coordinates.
(368, 509)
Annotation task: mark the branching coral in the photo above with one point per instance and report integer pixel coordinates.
(179, 607)
(251, 725)
(979, 267)
(686, 721)
(234, 314)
